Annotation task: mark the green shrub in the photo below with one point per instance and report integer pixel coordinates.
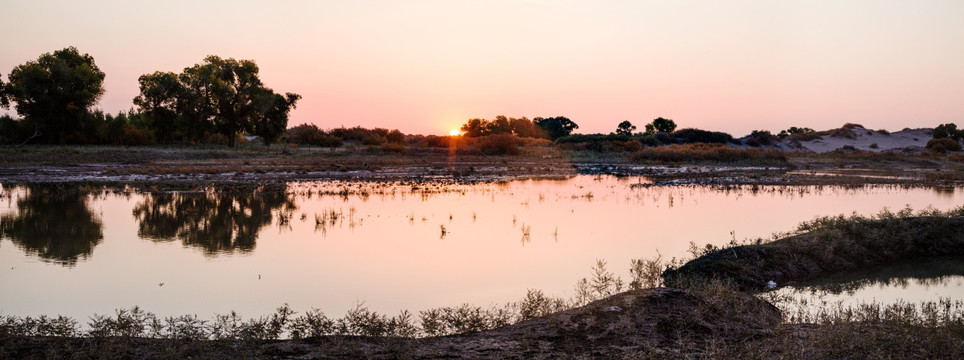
(943, 145)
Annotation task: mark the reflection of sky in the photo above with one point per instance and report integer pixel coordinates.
(915, 282)
(393, 257)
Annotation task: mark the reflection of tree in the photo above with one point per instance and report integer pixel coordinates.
(54, 223)
(215, 221)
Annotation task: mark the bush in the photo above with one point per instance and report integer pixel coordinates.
(393, 147)
(687, 136)
(500, 144)
(135, 136)
(943, 145)
(760, 138)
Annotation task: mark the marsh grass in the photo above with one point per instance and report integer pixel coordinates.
(708, 153)
(828, 245)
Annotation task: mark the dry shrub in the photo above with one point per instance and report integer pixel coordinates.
(393, 147)
(135, 136)
(500, 144)
(705, 152)
(943, 145)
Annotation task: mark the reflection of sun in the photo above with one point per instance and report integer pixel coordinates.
(455, 132)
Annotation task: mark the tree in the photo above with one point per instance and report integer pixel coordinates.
(660, 125)
(556, 127)
(948, 130)
(499, 125)
(523, 127)
(221, 95)
(273, 121)
(160, 100)
(55, 92)
(475, 127)
(625, 128)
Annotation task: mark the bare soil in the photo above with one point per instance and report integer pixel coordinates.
(186, 166)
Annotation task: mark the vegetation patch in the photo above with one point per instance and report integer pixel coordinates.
(830, 245)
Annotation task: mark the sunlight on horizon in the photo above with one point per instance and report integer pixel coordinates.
(734, 67)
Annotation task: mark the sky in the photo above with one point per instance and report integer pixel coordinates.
(428, 66)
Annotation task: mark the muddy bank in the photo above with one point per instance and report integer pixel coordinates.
(180, 167)
(830, 246)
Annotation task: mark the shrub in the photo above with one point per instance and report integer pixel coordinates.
(687, 136)
(761, 138)
(500, 144)
(943, 145)
(393, 147)
(136, 136)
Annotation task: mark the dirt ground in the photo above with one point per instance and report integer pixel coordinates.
(185, 166)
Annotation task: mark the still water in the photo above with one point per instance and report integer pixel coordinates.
(393, 246)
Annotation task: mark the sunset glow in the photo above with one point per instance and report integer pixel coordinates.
(455, 132)
(732, 66)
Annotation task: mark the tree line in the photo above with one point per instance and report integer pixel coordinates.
(214, 101)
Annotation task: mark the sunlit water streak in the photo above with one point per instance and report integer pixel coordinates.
(329, 245)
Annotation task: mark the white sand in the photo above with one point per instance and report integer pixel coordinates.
(864, 138)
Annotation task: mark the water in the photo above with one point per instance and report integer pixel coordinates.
(330, 245)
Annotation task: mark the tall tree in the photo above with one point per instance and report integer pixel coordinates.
(222, 95)
(273, 120)
(56, 91)
(556, 127)
(159, 100)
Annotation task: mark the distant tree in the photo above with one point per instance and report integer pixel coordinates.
(55, 92)
(4, 103)
(475, 127)
(499, 125)
(625, 128)
(556, 127)
(162, 99)
(270, 124)
(222, 95)
(948, 130)
(660, 125)
(793, 130)
(523, 127)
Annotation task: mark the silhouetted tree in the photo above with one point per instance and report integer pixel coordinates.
(556, 127)
(221, 95)
(54, 223)
(948, 130)
(217, 222)
(271, 124)
(523, 127)
(660, 125)
(55, 92)
(162, 99)
(625, 128)
(475, 127)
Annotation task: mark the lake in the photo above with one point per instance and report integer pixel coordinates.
(78, 251)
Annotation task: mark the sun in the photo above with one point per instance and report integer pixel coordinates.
(455, 132)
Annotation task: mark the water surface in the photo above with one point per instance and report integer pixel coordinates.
(328, 245)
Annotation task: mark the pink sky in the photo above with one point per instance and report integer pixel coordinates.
(427, 66)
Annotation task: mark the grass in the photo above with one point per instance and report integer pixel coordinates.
(829, 245)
